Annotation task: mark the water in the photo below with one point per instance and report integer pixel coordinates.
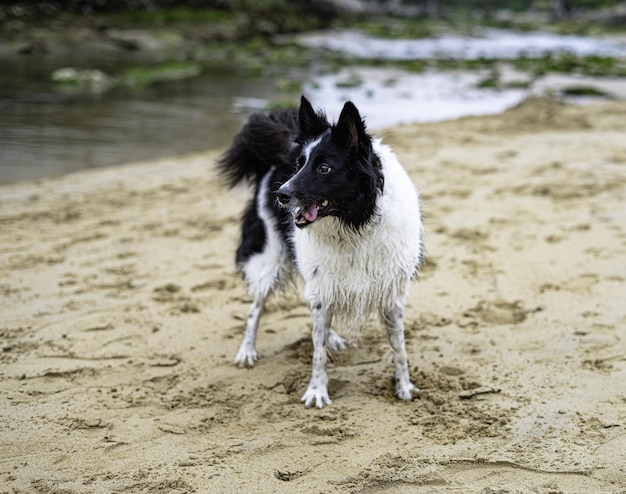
(391, 97)
(490, 44)
(45, 132)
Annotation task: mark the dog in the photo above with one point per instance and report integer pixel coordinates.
(334, 205)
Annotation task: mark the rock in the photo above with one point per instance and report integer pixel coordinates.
(89, 80)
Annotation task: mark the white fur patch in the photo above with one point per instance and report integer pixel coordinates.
(264, 270)
(356, 273)
(308, 149)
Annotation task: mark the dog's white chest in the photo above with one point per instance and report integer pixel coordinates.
(360, 272)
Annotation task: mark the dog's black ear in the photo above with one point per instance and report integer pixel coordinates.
(311, 123)
(350, 129)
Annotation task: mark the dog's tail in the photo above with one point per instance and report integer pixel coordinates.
(266, 140)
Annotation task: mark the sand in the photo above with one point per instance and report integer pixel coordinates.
(122, 311)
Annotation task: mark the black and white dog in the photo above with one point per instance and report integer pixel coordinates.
(334, 205)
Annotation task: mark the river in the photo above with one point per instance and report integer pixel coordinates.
(48, 132)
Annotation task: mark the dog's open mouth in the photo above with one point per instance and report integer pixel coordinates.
(305, 215)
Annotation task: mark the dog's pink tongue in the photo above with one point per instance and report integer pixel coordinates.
(310, 213)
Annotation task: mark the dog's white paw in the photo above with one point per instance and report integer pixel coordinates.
(406, 391)
(335, 342)
(316, 396)
(246, 356)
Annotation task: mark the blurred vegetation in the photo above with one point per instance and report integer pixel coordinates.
(169, 40)
(286, 15)
(251, 15)
(241, 19)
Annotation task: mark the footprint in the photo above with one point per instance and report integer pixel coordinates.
(499, 312)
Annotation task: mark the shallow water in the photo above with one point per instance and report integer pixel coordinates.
(490, 43)
(45, 132)
(391, 97)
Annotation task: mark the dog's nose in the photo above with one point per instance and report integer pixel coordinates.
(284, 194)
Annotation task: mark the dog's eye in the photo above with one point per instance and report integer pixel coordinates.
(324, 168)
(300, 162)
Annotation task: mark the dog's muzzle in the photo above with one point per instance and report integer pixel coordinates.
(304, 211)
(284, 194)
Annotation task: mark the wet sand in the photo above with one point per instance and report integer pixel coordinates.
(121, 313)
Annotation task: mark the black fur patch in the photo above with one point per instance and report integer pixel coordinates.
(253, 236)
(265, 141)
(268, 140)
(272, 143)
(342, 168)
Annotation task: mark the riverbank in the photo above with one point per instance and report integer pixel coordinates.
(122, 312)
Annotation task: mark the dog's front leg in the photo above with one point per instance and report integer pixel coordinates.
(394, 321)
(247, 351)
(317, 392)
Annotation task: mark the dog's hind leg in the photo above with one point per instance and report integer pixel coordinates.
(263, 258)
(247, 350)
(317, 392)
(393, 318)
(262, 279)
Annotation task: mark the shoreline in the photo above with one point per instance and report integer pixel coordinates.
(121, 313)
(156, 72)
(377, 112)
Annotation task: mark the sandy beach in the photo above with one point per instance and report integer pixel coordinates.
(121, 312)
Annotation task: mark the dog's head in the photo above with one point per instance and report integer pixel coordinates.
(336, 171)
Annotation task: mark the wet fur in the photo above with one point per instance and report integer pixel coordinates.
(359, 252)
